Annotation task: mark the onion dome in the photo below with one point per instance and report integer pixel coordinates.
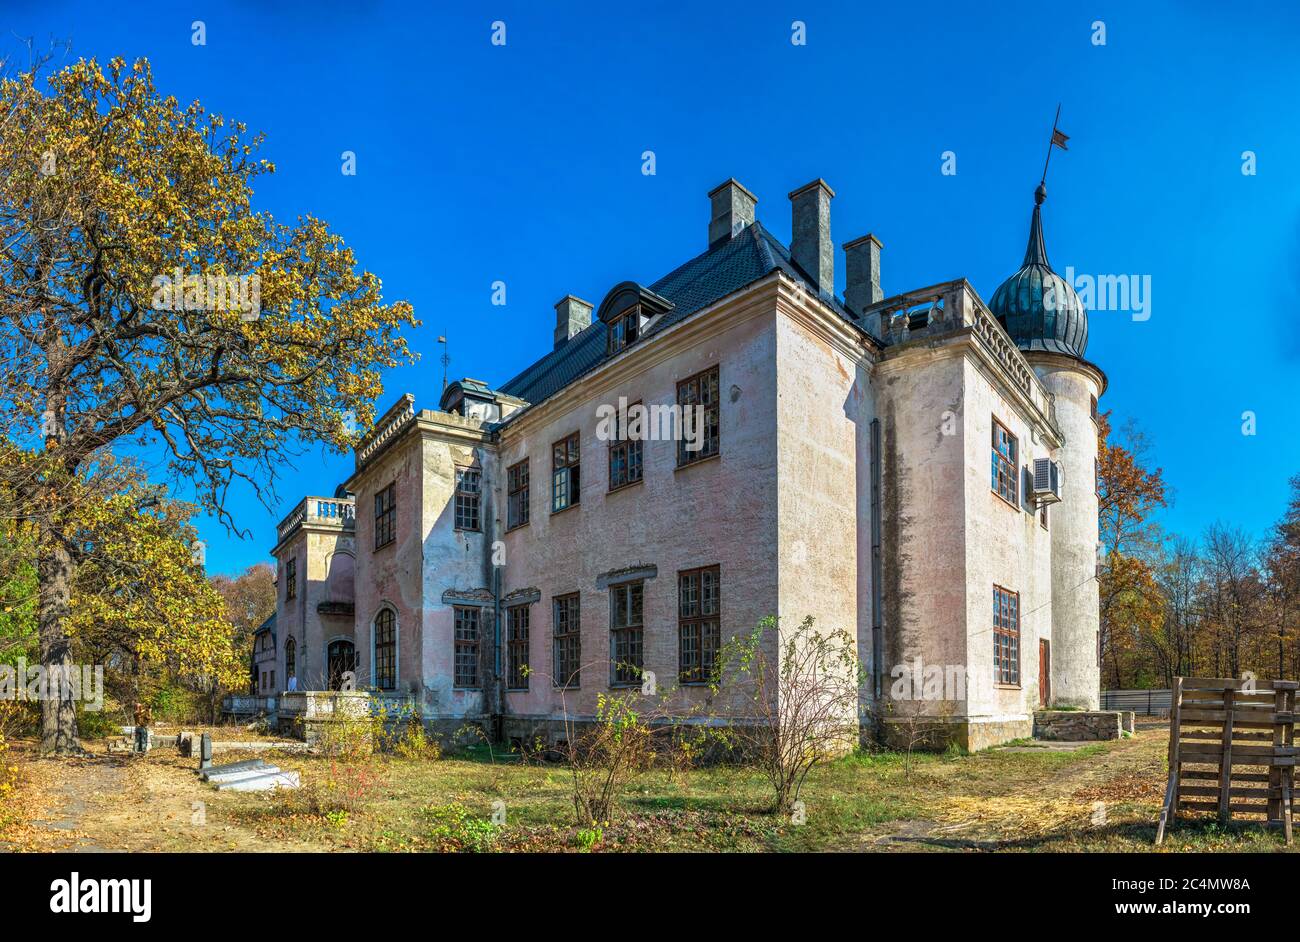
(1036, 306)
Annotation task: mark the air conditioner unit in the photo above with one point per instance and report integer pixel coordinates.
(1047, 481)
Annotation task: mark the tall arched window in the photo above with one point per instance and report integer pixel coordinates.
(290, 659)
(386, 650)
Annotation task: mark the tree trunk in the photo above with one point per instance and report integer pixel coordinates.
(58, 708)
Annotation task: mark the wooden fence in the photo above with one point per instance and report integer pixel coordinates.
(1231, 750)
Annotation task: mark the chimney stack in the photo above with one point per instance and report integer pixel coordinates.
(862, 274)
(572, 315)
(732, 209)
(810, 233)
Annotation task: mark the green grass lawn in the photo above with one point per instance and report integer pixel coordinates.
(1099, 797)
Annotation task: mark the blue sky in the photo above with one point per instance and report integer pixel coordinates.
(522, 163)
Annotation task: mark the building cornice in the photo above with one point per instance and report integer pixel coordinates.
(1065, 361)
(428, 424)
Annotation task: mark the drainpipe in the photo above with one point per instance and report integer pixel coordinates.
(498, 688)
(496, 640)
(877, 598)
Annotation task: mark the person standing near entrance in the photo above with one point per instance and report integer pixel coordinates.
(142, 721)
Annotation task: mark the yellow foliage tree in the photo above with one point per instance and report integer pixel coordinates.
(143, 299)
(1131, 602)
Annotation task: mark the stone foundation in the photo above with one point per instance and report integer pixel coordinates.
(936, 735)
(1082, 725)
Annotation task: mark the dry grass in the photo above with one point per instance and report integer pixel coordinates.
(1034, 800)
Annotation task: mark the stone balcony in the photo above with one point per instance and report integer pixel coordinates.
(325, 512)
(951, 306)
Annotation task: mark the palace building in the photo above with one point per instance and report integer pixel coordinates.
(916, 469)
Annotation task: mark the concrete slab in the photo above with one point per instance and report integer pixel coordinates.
(261, 783)
(244, 766)
(244, 775)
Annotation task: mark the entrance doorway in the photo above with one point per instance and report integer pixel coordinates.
(341, 658)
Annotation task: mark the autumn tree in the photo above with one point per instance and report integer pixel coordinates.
(250, 600)
(1282, 580)
(1128, 496)
(1174, 646)
(1232, 597)
(249, 597)
(145, 303)
(141, 601)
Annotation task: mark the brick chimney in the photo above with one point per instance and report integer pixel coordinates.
(862, 273)
(810, 233)
(731, 210)
(572, 315)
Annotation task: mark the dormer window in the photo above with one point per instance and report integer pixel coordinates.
(624, 329)
(473, 399)
(627, 312)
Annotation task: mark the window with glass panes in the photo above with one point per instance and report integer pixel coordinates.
(1004, 463)
(698, 399)
(517, 647)
(565, 613)
(699, 632)
(291, 579)
(623, 330)
(468, 487)
(386, 516)
(466, 650)
(1006, 636)
(517, 495)
(386, 650)
(565, 477)
(625, 454)
(625, 632)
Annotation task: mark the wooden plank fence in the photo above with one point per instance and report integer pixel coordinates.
(1231, 750)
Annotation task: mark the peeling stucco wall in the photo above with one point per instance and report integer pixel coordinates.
(720, 511)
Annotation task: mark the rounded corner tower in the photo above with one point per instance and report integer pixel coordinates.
(1042, 314)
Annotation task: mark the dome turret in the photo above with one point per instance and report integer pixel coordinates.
(1039, 308)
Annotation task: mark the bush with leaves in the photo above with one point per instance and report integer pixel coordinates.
(452, 827)
(631, 731)
(801, 690)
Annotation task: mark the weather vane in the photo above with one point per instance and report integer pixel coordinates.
(1058, 139)
(445, 360)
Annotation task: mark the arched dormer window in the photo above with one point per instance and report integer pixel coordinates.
(386, 649)
(627, 311)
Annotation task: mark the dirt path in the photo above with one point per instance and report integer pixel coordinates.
(122, 803)
(1096, 791)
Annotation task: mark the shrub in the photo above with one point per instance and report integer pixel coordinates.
(414, 742)
(351, 738)
(343, 790)
(803, 708)
(605, 757)
(453, 828)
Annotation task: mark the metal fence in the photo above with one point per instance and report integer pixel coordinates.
(1147, 702)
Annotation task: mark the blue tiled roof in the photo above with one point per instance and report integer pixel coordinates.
(722, 270)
